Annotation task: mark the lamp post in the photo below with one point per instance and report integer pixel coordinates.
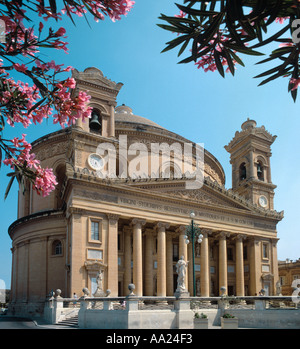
(193, 233)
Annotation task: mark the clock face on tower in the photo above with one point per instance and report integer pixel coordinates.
(95, 161)
(262, 200)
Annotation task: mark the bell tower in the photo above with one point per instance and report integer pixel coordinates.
(103, 94)
(250, 152)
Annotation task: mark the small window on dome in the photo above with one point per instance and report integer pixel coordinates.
(56, 248)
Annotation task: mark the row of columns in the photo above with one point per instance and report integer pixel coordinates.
(165, 259)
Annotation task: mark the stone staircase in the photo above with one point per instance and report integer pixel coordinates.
(69, 321)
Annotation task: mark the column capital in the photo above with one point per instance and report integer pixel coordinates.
(160, 225)
(206, 231)
(222, 234)
(138, 221)
(239, 237)
(274, 241)
(181, 229)
(113, 218)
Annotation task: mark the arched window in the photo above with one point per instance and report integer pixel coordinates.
(96, 122)
(57, 248)
(260, 171)
(60, 173)
(243, 172)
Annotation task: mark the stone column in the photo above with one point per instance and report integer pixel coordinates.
(239, 265)
(137, 256)
(112, 121)
(127, 259)
(169, 264)
(274, 265)
(77, 255)
(223, 260)
(149, 263)
(251, 166)
(161, 259)
(255, 267)
(189, 274)
(183, 251)
(112, 254)
(78, 123)
(204, 262)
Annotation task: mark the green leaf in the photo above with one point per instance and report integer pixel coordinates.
(183, 47)
(219, 63)
(170, 28)
(195, 12)
(172, 44)
(294, 94)
(244, 49)
(36, 105)
(236, 58)
(275, 76)
(227, 56)
(272, 38)
(191, 58)
(53, 6)
(9, 186)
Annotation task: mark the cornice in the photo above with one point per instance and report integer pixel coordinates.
(49, 214)
(120, 186)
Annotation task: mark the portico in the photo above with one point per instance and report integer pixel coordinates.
(148, 247)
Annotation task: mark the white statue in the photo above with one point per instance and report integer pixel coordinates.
(181, 267)
(99, 280)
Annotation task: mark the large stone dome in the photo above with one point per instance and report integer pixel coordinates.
(124, 114)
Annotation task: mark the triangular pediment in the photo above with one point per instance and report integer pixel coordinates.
(210, 194)
(205, 196)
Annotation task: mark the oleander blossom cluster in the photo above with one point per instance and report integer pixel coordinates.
(43, 179)
(48, 95)
(207, 61)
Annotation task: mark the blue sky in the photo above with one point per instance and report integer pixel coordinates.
(203, 107)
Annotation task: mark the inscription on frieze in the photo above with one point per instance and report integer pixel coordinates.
(172, 209)
(198, 214)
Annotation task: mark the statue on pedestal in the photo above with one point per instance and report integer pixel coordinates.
(99, 280)
(181, 267)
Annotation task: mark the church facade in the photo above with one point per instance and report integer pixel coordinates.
(113, 215)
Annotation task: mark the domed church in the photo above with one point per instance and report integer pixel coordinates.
(126, 190)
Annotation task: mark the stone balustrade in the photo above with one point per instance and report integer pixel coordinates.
(173, 312)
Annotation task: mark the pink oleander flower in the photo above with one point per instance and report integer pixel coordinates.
(20, 67)
(286, 44)
(295, 82)
(61, 32)
(181, 14)
(281, 19)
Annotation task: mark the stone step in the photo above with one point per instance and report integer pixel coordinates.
(69, 321)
